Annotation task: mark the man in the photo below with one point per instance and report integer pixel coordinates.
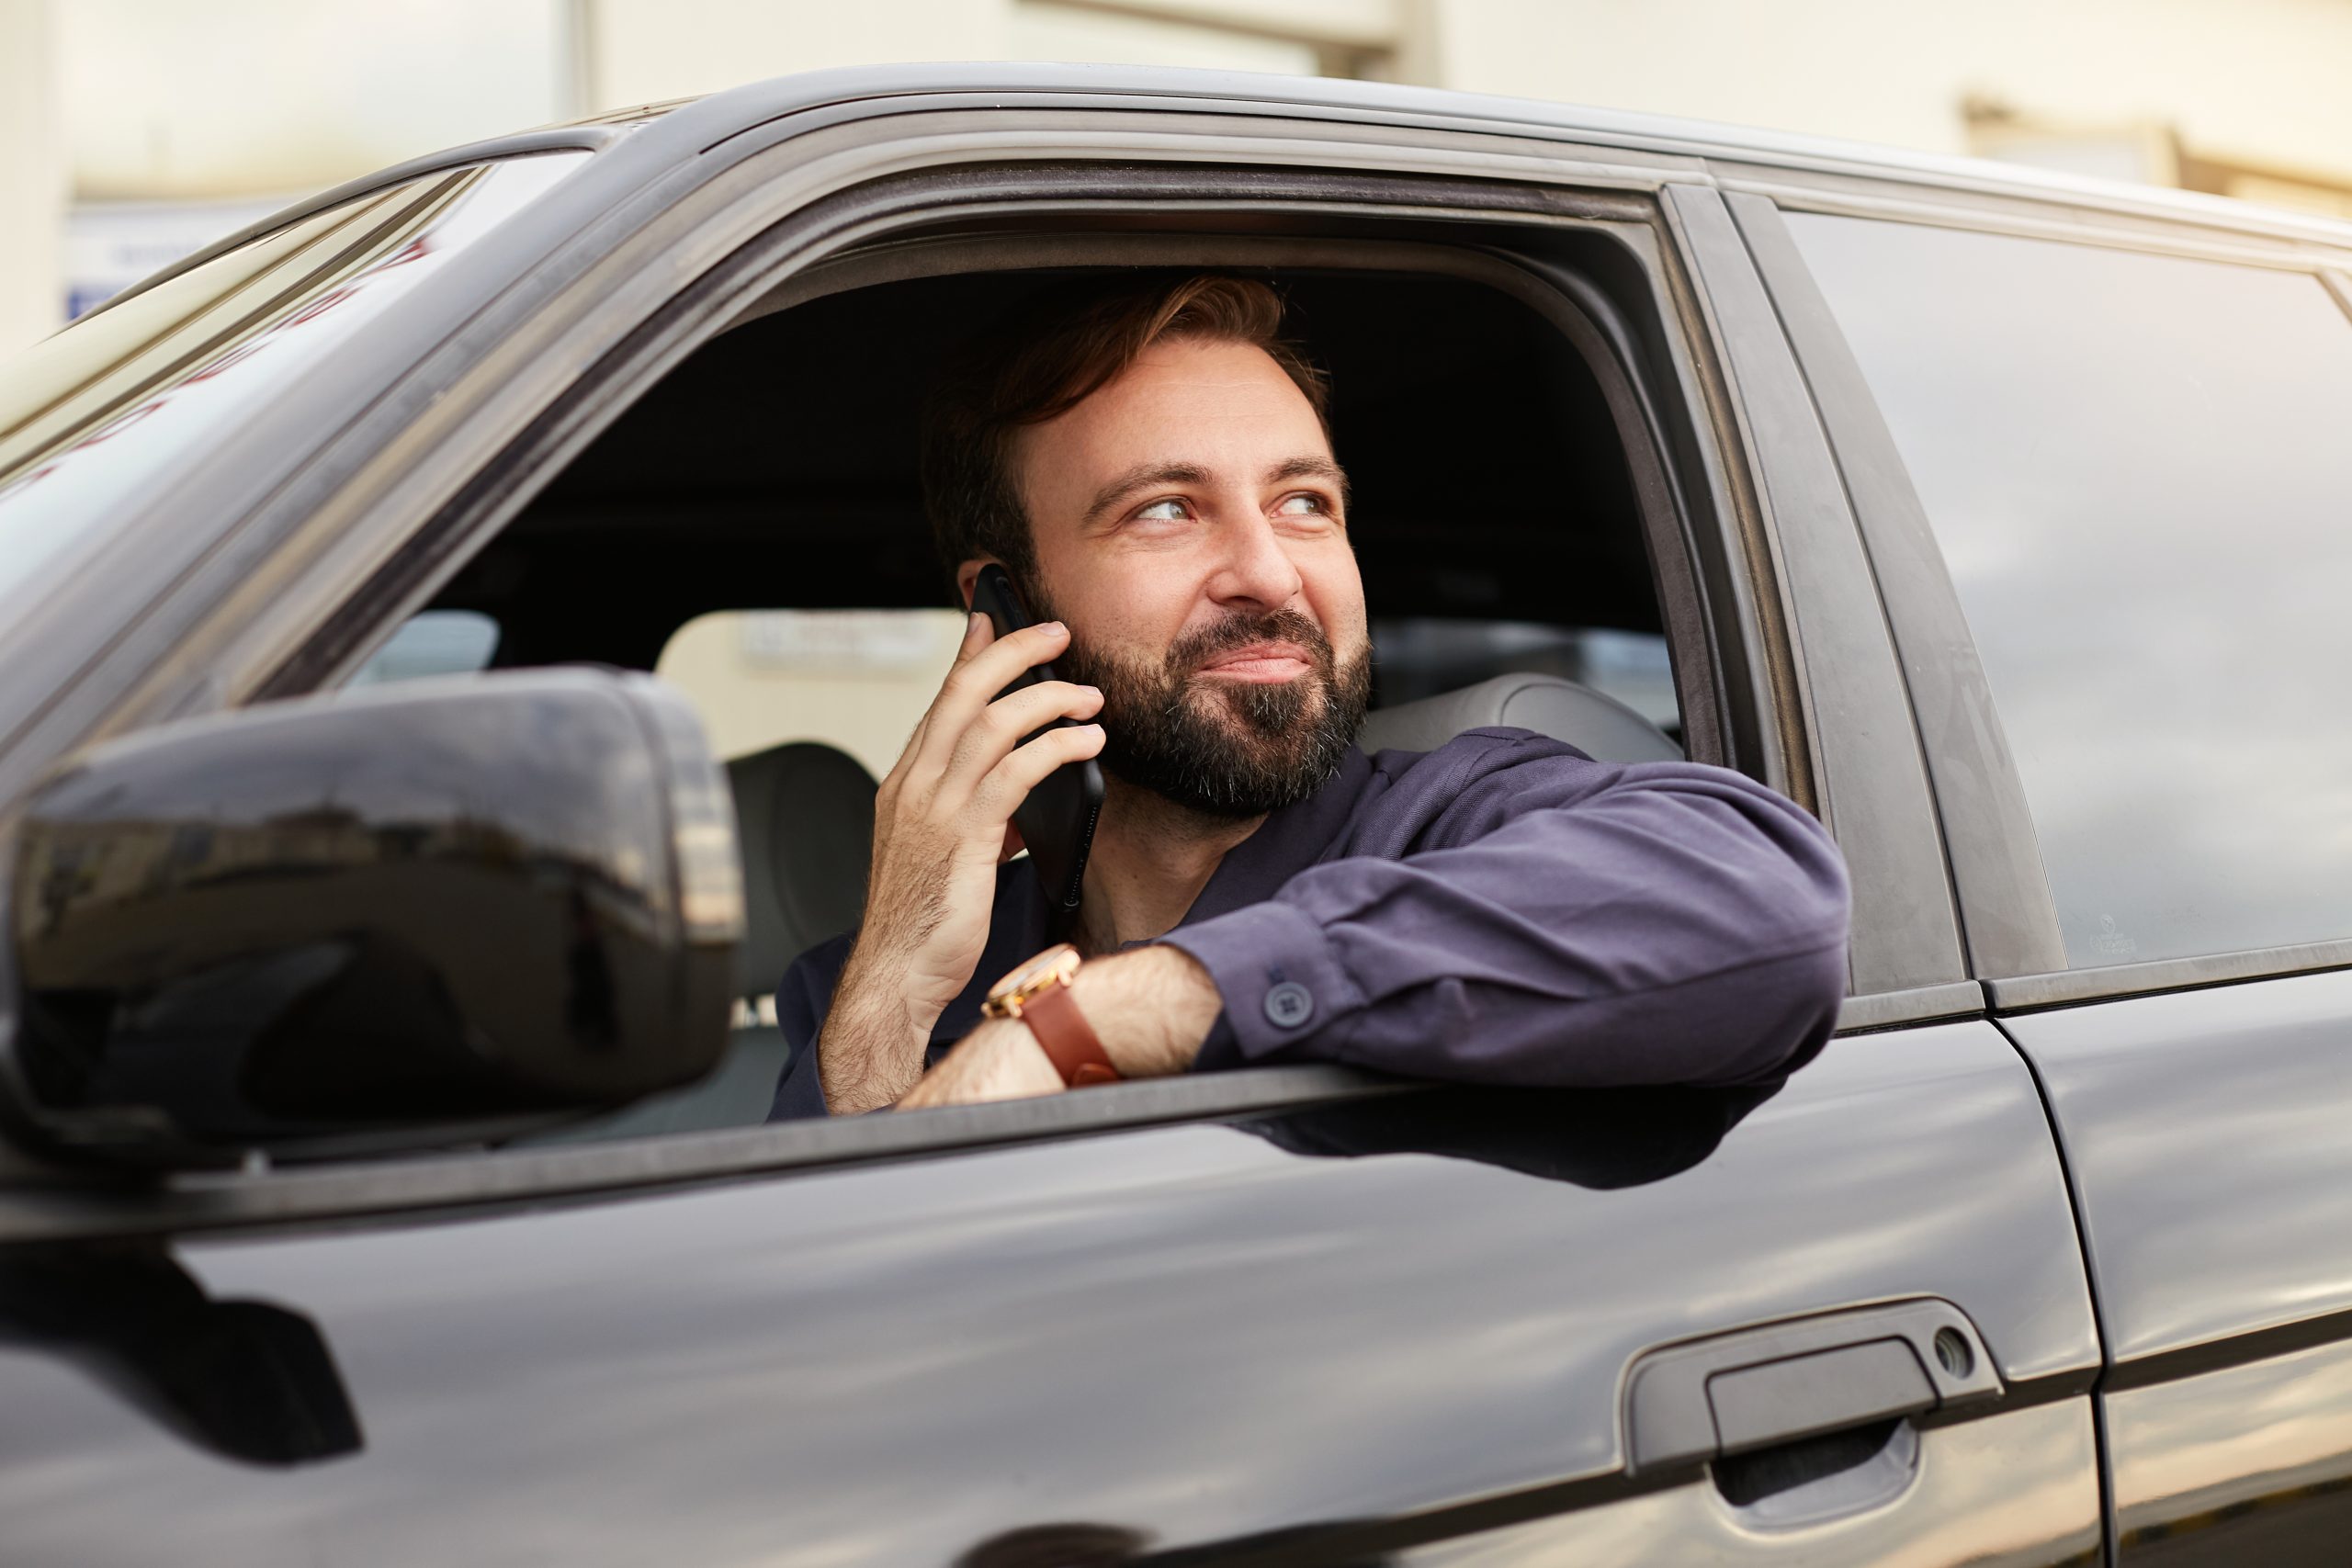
(1153, 469)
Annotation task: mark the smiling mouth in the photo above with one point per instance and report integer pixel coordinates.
(1267, 662)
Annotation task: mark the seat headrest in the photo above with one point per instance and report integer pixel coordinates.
(1599, 726)
(805, 819)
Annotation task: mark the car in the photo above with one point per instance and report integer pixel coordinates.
(409, 604)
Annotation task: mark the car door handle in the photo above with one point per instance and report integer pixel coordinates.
(1775, 1382)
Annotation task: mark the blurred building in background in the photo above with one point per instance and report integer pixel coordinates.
(133, 130)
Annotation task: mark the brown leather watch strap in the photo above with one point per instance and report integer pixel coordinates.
(1070, 1041)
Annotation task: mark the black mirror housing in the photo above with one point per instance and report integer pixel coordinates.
(370, 920)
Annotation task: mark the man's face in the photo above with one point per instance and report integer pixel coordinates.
(1189, 529)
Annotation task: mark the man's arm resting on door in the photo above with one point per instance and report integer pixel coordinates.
(1151, 1007)
(1556, 922)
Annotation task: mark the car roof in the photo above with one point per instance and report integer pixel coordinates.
(741, 109)
(675, 131)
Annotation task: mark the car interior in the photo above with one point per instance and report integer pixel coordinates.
(752, 529)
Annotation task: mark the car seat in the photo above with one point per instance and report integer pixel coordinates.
(1600, 726)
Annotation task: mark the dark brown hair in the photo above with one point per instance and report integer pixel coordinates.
(1048, 360)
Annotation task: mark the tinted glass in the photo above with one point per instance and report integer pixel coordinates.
(2138, 471)
(98, 418)
(432, 642)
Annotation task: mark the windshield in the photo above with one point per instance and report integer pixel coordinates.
(96, 419)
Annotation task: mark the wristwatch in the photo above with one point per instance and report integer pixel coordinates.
(1038, 995)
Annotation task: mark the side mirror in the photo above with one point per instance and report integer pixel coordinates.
(372, 921)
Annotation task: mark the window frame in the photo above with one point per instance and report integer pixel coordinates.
(526, 404)
(1905, 963)
(191, 1202)
(1697, 606)
(620, 320)
(2008, 915)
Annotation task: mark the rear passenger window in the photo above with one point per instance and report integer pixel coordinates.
(2137, 469)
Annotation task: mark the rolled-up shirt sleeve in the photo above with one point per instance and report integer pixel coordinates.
(1556, 920)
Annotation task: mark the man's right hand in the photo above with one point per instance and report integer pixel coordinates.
(943, 823)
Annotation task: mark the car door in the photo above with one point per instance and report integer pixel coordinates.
(1354, 1329)
(1282, 1312)
(2125, 444)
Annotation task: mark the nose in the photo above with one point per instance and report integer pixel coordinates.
(1256, 572)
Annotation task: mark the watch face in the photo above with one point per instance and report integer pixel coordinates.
(1033, 974)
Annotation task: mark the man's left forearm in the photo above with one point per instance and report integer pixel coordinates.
(1151, 1007)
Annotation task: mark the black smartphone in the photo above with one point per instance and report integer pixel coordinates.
(1057, 819)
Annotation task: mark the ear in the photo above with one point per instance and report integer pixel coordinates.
(968, 573)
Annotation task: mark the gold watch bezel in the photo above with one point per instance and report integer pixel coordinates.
(1057, 966)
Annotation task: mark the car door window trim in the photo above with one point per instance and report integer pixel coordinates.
(1673, 527)
(1919, 1004)
(1699, 595)
(2237, 238)
(2006, 916)
(474, 1179)
(1673, 522)
(1875, 793)
(636, 220)
(660, 340)
(651, 353)
(2068, 987)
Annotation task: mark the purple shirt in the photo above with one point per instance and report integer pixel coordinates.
(1503, 910)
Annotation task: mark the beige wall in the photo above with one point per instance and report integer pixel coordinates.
(174, 101)
(166, 99)
(2258, 80)
(32, 175)
(644, 50)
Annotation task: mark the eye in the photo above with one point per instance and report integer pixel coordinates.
(1306, 504)
(1168, 510)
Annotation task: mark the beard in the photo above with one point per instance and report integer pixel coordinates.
(1223, 747)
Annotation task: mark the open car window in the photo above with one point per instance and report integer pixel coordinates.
(751, 531)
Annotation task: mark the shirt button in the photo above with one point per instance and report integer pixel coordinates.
(1289, 1005)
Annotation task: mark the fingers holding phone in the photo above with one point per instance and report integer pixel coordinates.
(1056, 819)
(986, 665)
(984, 716)
(941, 821)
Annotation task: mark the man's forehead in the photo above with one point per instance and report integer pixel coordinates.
(1208, 382)
(1196, 412)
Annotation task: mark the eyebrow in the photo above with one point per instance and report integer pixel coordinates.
(1144, 476)
(1147, 476)
(1311, 468)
